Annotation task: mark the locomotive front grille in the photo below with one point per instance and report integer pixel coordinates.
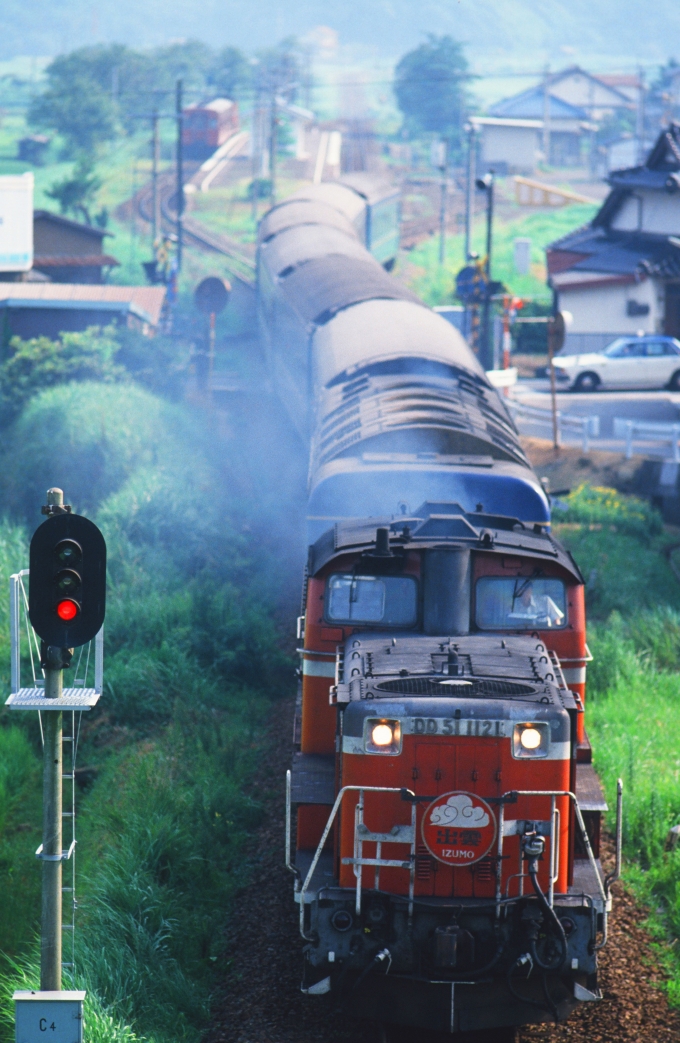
(489, 688)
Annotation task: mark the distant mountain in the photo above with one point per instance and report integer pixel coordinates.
(502, 30)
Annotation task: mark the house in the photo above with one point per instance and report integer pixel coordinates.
(600, 97)
(563, 125)
(569, 105)
(509, 146)
(48, 309)
(628, 84)
(620, 273)
(67, 251)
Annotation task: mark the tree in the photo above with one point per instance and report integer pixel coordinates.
(279, 69)
(76, 194)
(430, 85)
(74, 104)
(231, 74)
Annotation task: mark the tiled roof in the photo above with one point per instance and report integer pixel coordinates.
(594, 249)
(47, 215)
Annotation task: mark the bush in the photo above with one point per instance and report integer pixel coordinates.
(89, 439)
(31, 366)
(593, 505)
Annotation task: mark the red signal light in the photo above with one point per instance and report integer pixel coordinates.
(67, 610)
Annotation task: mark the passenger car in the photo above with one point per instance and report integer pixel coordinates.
(628, 362)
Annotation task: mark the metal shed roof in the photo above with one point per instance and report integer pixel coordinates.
(302, 212)
(144, 301)
(295, 246)
(322, 287)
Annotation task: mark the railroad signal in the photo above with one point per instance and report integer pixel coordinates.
(67, 581)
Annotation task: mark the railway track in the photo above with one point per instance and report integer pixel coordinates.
(194, 233)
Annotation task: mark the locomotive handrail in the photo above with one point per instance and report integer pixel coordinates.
(324, 838)
(587, 658)
(584, 833)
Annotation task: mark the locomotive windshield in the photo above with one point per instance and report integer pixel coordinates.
(520, 603)
(388, 600)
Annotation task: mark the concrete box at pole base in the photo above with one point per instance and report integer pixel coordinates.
(49, 1017)
(16, 223)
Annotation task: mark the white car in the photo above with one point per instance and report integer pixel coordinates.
(629, 362)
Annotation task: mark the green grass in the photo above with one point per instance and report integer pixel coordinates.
(633, 695)
(435, 283)
(192, 661)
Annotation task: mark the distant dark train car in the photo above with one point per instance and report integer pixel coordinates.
(206, 127)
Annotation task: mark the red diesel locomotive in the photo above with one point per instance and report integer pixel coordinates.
(446, 813)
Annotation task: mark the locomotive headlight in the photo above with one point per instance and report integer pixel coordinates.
(531, 740)
(382, 736)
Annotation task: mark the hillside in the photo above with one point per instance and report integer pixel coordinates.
(510, 31)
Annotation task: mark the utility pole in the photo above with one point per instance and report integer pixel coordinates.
(442, 200)
(640, 117)
(257, 153)
(272, 149)
(546, 115)
(155, 162)
(487, 184)
(180, 175)
(469, 191)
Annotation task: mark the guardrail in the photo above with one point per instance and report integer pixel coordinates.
(586, 427)
(647, 431)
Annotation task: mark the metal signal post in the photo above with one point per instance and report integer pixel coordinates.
(50, 923)
(66, 605)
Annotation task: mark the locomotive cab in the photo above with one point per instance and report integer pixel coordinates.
(446, 861)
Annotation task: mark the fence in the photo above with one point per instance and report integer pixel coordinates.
(585, 427)
(647, 431)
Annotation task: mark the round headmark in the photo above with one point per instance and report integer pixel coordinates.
(459, 828)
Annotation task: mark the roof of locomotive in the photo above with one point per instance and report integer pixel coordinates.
(294, 246)
(441, 525)
(413, 672)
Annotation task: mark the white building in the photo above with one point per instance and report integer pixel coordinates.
(620, 274)
(512, 146)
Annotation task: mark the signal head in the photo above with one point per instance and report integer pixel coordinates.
(67, 590)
